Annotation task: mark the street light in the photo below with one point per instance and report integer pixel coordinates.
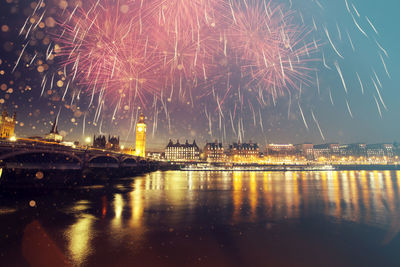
(13, 138)
(88, 140)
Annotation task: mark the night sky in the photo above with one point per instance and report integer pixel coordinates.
(189, 116)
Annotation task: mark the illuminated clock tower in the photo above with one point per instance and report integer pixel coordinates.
(141, 137)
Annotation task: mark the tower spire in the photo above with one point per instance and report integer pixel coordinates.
(54, 129)
(141, 118)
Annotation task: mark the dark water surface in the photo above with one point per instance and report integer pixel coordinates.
(209, 219)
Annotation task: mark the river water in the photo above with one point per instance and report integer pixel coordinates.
(178, 218)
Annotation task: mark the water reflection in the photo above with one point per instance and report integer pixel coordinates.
(79, 236)
(7, 210)
(136, 204)
(179, 200)
(237, 194)
(359, 196)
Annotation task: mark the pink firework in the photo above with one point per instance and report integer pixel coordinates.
(105, 48)
(129, 49)
(186, 36)
(185, 55)
(183, 14)
(270, 48)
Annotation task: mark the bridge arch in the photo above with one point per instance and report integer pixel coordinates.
(143, 161)
(129, 161)
(103, 159)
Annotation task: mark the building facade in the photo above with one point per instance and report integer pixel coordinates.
(305, 150)
(113, 143)
(244, 151)
(214, 152)
(182, 152)
(326, 150)
(7, 124)
(281, 150)
(141, 128)
(99, 141)
(380, 150)
(354, 150)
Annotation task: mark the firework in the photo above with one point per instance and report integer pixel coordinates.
(110, 45)
(105, 47)
(183, 15)
(271, 49)
(186, 34)
(185, 61)
(221, 55)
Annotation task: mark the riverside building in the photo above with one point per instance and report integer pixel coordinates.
(182, 152)
(7, 124)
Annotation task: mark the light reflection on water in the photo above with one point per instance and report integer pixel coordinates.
(7, 211)
(79, 236)
(132, 217)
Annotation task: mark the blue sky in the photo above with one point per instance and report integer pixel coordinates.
(366, 126)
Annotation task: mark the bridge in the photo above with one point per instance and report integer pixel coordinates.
(27, 159)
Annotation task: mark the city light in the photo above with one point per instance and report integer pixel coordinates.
(88, 140)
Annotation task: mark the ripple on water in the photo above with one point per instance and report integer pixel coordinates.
(7, 211)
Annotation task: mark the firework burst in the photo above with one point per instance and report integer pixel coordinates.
(183, 15)
(105, 46)
(271, 49)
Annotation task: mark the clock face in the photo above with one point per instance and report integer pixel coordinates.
(140, 129)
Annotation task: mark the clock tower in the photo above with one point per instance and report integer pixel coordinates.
(140, 137)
